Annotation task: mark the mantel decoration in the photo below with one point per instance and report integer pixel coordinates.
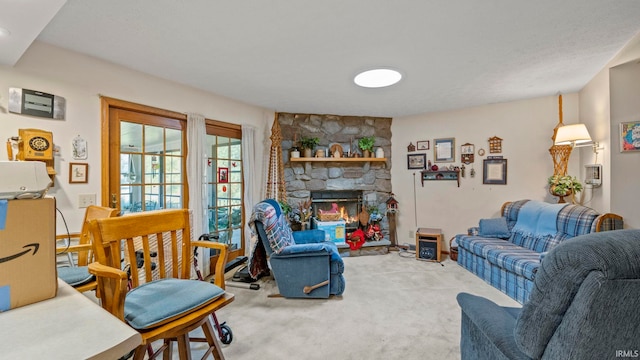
(308, 144)
(564, 185)
(366, 145)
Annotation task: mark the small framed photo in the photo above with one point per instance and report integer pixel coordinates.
(416, 161)
(223, 175)
(78, 173)
(423, 145)
(630, 136)
(495, 171)
(444, 150)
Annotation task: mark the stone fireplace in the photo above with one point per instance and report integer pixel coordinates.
(351, 184)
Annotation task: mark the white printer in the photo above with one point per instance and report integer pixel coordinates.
(23, 179)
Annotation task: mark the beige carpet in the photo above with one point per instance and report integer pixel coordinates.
(394, 307)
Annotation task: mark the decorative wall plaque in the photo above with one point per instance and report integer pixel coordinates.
(495, 145)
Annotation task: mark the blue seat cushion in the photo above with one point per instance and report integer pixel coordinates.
(158, 302)
(480, 246)
(520, 261)
(75, 276)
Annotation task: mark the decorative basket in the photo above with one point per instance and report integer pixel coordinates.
(453, 250)
(329, 217)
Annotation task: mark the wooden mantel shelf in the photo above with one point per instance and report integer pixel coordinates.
(331, 159)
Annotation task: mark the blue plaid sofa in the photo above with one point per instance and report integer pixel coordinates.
(509, 259)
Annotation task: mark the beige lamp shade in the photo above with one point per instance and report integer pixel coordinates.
(572, 135)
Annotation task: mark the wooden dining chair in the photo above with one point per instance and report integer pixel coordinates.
(76, 273)
(144, 271)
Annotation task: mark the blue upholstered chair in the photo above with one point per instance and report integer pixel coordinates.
(584, 305)
(304, 265)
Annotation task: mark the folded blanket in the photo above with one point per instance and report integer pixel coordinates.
(538, 218)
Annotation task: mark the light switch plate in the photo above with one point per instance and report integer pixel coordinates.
(84, 200)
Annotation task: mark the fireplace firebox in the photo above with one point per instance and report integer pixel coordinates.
(349, 204)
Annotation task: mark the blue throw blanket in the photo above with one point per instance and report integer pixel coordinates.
(537, 218)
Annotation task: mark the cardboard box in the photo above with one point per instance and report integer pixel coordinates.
(335, 229)
(28, 271)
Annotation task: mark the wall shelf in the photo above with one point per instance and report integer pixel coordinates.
(330, 159)
(453, 175)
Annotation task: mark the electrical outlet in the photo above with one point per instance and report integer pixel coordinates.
(84, 200)
(411, 236)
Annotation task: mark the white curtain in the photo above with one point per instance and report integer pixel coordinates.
(252, 182)
(196, 176)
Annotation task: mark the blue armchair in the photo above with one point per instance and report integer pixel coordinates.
(304, 265)
(583, 305)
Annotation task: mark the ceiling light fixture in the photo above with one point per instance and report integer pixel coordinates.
(377, 78)
(4, 32)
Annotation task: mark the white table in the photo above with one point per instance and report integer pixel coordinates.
(68, 326)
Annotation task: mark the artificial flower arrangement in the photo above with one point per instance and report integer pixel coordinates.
(300, 215)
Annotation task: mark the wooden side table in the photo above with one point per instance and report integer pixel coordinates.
(428, 244)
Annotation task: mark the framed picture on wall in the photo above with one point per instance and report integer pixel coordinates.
(444, 150)
(630, 136)
(416, 161)
(423, 145)
(78, 173)
(494, 171)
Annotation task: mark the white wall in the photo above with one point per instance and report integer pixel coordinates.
(608, 99)
(80, 80)
(526, 128)
(594, 113)
(625, 107)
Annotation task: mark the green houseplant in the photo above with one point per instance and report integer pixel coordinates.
(366, 145)
(308, 144)
(564, 185)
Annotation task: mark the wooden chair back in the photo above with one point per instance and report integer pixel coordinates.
(83, 246)
(163, 237)
(93, 212)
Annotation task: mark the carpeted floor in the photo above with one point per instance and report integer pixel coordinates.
(393, 307)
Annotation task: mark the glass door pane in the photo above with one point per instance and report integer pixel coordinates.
(151, 163)
(225, 190)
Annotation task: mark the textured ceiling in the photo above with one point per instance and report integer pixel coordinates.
(301, 56)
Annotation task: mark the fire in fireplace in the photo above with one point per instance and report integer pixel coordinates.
(349, 204)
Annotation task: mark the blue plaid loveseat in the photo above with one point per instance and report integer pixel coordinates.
(509, 262)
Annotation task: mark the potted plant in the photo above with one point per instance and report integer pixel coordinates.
(366, 145)
(308, 144)
(564, 185)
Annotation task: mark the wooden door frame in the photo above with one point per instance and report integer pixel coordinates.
(108, 103)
